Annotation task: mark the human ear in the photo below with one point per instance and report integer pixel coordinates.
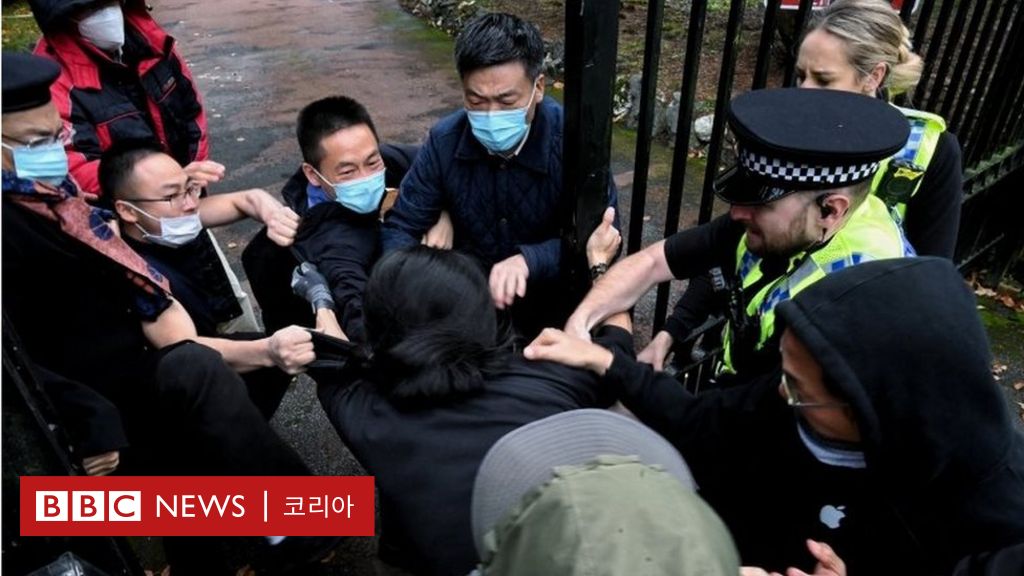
(833, 207)
(125, 212)
(876, 78)
(310, 174)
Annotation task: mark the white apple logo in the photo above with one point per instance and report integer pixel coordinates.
(831, 515)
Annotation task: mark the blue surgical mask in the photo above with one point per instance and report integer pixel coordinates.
(362, 195)
(174, 231)
(47, 163)
(500, 130)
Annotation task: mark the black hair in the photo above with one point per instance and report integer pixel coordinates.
(118, 163)
(432, 326)
(494, 38)
(325, 117)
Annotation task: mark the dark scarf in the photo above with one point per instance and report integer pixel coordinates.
(88, 225)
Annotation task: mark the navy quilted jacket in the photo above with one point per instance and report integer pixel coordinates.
(499, 207)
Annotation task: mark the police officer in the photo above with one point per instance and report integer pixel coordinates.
(800, 211)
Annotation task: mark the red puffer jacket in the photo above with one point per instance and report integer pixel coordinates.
(150, 96)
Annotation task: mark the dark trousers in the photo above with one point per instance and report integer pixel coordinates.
(203, 421)
(200, 420)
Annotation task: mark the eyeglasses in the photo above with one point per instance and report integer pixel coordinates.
(176, 200)
(62, 137)
(794, 401)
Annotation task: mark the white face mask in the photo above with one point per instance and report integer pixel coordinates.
(104, 28)
(174, 232)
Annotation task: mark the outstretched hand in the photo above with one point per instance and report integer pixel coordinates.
(508, 281)
(555, 345)
(205, 171)
(829, 563)
(656, 351)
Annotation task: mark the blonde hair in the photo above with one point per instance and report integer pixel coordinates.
(873, 34)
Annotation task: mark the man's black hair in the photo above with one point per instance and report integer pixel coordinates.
(325, 117)
(495, 38)
(118, 163)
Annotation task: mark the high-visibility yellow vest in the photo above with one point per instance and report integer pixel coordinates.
(899, 177)
(869, 234)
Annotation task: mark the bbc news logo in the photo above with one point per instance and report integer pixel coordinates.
(197, 506)
(89, 506)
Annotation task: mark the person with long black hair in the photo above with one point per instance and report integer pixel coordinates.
(443, 382)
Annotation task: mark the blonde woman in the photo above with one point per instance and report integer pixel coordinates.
(862, 46)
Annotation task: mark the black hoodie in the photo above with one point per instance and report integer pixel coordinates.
(902, 342)
(944, 477)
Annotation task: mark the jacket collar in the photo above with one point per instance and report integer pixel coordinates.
(534, 153)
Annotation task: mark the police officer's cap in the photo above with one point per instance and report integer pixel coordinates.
(26, 81)
(792, 139)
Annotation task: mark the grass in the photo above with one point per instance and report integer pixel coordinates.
(20, 32)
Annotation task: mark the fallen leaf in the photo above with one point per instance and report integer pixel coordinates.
(1008, 302)
(232, 245)
(1018, 386)
(982, 291)
(998, 368)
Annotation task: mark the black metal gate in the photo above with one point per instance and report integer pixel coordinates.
(973, 77)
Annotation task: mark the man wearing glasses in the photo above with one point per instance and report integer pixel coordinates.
(137, 388)
(163, 218)
(886, 447)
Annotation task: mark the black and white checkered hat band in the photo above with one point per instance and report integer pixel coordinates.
(786, 171)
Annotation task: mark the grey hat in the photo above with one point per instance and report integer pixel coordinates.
(526, 458)
(592, 493)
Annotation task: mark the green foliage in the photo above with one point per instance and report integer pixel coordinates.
(20, 32)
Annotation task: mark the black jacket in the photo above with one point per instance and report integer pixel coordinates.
(70, 308)
(425, 460)
(944, 476)
(342, 244)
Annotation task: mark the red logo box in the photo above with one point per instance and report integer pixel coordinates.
(197, 506)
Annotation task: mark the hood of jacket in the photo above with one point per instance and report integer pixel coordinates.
(52, 15)
(902, 342)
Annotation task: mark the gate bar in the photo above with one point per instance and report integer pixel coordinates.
(645, 124)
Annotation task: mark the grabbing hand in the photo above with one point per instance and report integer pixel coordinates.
(282, 224)
(656, 351)
(309, 284)
(508, 280)
(604, 241)
(291, 349)
(205, 172)
(556, 346)
(101, 464)
(440, 235)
